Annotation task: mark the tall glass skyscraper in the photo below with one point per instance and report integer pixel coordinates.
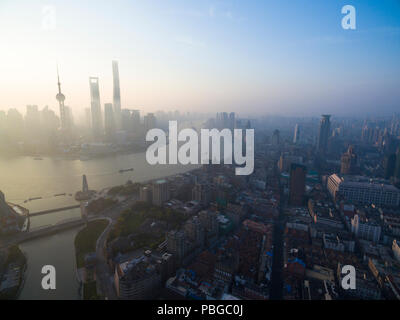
(97, 119)
(116, 95)
(323, 135)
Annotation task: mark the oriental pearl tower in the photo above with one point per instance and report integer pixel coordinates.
(61, 98)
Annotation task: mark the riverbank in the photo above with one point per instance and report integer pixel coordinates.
(85, 240)
(12, 275)
(24, 178)
(83, 152)
(85, 248)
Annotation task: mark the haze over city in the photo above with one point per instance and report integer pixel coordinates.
(262, 57)
(203, 151)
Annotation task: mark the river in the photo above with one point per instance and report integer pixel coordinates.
(22, 178)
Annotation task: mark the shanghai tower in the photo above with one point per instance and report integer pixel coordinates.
(116, 95)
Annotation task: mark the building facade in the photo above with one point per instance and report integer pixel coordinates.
(97, 118)
(160, 192)
(297, 187)
(323, 134)
(363, 191)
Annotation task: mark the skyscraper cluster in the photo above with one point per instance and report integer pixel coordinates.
(117, 122)
(112, 111)
(38, 128)
(224, 120)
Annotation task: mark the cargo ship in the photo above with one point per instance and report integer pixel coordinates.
(125, 170)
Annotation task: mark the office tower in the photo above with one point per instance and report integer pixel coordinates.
(149, 122)
(323, 134)
(116, 95)
(97, 119)
(389, 165)
(109, 122)
(276, 138)
(297, 187)
(296, 138)
(61, 98)
(349, 162)
(160, 192)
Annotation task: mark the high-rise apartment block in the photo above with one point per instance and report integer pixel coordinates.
(297, 187)
(160, 192)
(363, 190)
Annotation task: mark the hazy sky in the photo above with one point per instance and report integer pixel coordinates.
(270, 56)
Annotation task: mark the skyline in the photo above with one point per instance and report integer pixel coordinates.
(269, 58)
(208, 152)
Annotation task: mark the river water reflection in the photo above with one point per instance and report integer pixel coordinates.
(22, 178)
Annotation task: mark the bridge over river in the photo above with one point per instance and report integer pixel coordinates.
(42, 231)
(39, 213)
